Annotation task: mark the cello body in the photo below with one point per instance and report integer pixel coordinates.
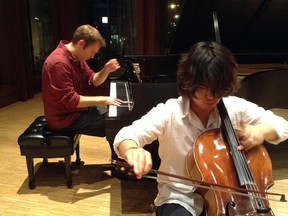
(210, 160)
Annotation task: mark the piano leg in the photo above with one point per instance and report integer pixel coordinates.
(118, 171)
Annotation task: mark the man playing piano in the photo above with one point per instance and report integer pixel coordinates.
(65, 75)
(206, 74)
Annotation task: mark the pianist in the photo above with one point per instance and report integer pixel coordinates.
(206, 74)
(65, 75)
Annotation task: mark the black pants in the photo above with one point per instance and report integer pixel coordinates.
(173, 210)
(91, 123)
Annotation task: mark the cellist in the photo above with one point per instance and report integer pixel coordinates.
(206, 74)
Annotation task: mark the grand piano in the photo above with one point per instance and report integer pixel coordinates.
(147, 81)
(255, 31)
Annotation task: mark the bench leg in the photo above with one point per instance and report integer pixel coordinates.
(30, 168)
(68, 171)
(78, 160)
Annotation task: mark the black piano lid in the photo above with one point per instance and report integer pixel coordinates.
(154, 68)
(255, 31)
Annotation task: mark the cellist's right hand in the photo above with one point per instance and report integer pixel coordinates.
(138, 158)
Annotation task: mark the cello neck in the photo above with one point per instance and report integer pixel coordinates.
(241, 166)
(242, 169)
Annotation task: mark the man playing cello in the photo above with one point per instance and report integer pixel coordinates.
(207, 74)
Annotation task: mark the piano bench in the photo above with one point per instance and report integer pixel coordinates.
(38, 141)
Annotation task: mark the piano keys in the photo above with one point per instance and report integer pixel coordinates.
(120, 89)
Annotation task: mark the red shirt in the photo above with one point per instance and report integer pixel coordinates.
(64, 79)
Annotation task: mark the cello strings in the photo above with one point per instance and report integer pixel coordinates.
(239, 156)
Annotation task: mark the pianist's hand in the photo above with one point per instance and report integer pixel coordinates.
(111, 66)
(112, 101)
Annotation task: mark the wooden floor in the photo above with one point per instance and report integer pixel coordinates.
(95, 191)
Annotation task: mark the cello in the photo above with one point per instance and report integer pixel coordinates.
(215, 158)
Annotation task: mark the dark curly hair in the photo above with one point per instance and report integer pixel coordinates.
(210, 65)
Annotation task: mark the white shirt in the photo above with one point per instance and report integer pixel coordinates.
(176, 127)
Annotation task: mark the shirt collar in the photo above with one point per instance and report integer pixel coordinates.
(186, 106)
(67, 53)
(188, 113)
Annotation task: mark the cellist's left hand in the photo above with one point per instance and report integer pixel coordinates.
(254, 135)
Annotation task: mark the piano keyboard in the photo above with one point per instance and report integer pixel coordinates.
(120, 89)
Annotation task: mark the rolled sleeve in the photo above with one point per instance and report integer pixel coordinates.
(242, 111)
(281, 127)
(145, 130)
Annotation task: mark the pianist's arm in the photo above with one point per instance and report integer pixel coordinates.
(86, 101)
(103, 101)
(111, 66)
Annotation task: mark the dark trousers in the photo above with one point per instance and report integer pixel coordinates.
(91, 122)
(173, 210)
